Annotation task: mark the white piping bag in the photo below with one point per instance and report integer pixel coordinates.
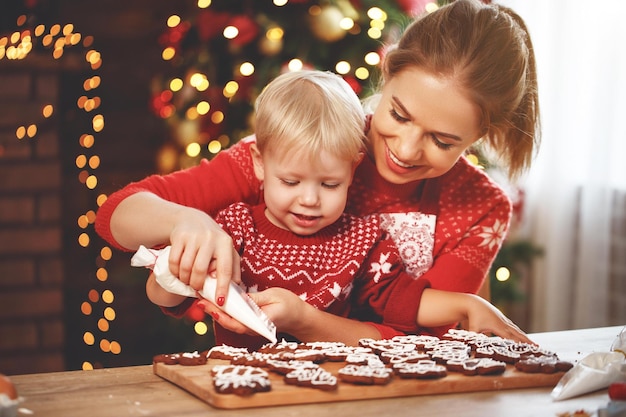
(595, 371)
(238, 305)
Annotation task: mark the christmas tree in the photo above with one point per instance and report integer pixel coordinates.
(225, 51)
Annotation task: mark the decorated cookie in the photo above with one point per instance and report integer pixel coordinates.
(225, 352)
(317, 378)
(476, 366)
(240, 379)
(167, 358)
(543, 364)
(424, 369)
(366, 375)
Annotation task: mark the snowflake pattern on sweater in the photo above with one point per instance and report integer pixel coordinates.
(320, 268)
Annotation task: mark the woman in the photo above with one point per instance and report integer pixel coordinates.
(461, 74)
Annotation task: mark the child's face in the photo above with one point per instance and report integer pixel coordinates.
(305, 194)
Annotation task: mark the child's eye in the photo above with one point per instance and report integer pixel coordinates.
(330, 186)
(397, 116)
(289, 183)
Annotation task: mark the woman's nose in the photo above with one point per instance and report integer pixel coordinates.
(410, 145)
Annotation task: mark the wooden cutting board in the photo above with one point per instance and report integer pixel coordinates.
(198, 381)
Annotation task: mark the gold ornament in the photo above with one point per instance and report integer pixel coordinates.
(325, 25)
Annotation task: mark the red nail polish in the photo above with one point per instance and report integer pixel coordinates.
(215, 315)
(220, 300)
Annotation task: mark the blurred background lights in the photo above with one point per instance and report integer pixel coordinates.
(503, 273)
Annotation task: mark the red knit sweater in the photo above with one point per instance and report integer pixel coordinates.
(472, 212)
(322, 269)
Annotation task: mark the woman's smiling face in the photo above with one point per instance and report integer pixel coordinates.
(421, 126)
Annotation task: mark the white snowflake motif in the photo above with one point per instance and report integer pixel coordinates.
(380, 267)
(492, 236)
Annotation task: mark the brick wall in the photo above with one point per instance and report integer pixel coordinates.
(31, 266)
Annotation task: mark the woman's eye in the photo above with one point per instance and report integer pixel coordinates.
(289, 183)
(397, 116)
(440, 144)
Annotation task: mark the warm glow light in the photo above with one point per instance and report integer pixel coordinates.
(85, 308)
(105, 345)
(47, 110)
(93, 296)
(115, 348)
(342, 67)
(102, 274)
(203, 4)
(203, 107)
(31, 131)
(168, 53)
(81, 160)
(200, 328)
(107, 296)
(98, 123)
(214, 146)
(91, 182)
(217, 117)
(109, 314)
(346, 23)
(94, 162)
(101, 199)
(362, 73)
(374, 33)
(275, 33)
(193, 149)
(295, 65)
(230, 89)
(106, 253)
(103, 325)
(372, 58)
(503, 274)
(280, 3)
(246, 69)
(176, 84)
(230, 32)
(173, 21)
(88, 338)
(431, 7)
(83, 240)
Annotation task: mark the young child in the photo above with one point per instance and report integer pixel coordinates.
(309, 141)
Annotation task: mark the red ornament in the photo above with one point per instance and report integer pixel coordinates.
(413, 7)
(211, 23)
(617, 391)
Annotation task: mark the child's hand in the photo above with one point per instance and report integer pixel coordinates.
(200, 247)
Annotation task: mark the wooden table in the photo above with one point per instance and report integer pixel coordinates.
(136, 391)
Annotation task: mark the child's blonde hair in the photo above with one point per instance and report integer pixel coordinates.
(310, 111)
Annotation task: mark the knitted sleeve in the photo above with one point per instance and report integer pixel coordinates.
(387, 295)
(209, 186)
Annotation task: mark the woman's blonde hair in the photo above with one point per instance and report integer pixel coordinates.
(310, 111)
(487, 50)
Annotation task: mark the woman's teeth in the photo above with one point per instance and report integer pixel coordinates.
(399, 162)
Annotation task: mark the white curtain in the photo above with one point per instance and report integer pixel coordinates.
(578, 180)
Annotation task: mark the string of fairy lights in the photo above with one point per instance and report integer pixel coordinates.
(57, 38)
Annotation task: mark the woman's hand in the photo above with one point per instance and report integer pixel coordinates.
(484, 317)
(282, 307)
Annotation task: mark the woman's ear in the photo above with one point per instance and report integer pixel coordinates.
(257, 160)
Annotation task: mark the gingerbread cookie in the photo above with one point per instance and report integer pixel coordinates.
(192, 358)
(543, 364)
(312, 377)
(366, 375)
(476, 366)
(166, 358)
(424, 369)
(226, 352)
(240, 379)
